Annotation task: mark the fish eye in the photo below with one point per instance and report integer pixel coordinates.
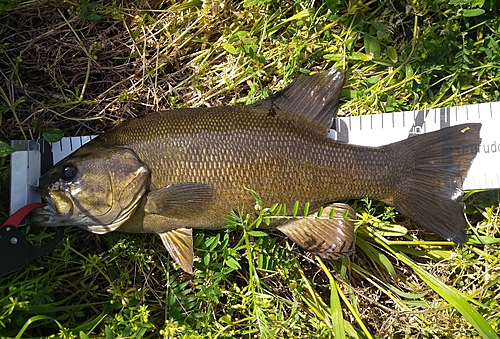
(69, 173)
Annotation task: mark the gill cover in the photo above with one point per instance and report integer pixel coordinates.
(96, 190)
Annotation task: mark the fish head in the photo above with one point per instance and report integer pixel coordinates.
(94, 189)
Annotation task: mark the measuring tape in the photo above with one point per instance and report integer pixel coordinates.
(383, 129)
(34, 157)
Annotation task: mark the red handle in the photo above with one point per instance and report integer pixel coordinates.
(16, 218)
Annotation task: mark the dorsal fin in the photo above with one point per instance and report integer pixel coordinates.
(314, 98)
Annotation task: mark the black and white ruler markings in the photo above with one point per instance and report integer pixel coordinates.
(35, 157)
(382, 129)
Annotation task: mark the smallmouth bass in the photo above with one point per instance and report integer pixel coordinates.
(174, 171)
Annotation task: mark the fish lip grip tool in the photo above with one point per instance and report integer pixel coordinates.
(15, 251)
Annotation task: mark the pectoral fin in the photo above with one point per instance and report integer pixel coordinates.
(330, 235)
(179, 244)
(180, 200)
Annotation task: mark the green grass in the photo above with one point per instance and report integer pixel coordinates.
(82, 67)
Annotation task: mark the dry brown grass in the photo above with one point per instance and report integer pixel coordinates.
(86, 76)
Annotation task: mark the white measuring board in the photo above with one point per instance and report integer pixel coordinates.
(27, 164)
(382, 129)
(366, 130)
(25, 170)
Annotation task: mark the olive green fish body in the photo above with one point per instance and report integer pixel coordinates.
(171, 172)
(284, 160)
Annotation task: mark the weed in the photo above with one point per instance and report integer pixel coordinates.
(148, 56)
(88, 10)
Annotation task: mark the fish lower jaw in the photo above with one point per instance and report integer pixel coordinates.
(99, 229)
(44, 217)
(106, 227)
(103, 228)
(49, 208)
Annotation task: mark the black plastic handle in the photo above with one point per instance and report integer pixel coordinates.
(15, 251)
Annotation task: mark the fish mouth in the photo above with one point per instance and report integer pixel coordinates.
(54, 212)
(41, 192)
(49, 207)
(43, 216)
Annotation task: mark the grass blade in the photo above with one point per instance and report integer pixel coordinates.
(31, 321)
(454, 297)
(335, 307)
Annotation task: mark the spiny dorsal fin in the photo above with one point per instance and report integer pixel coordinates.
(331, 235)
(314, 98)
(179, 244)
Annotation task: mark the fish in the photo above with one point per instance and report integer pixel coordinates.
(174, 171)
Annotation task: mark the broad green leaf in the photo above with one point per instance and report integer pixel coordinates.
(491, 43)
(212, 242)
(390, 230)
(333, 5)
(37, 123)
(282, 210)
(373, 80)
(233, 263)
(93, 17)
(5, 149)
(84, 12)
(360, 56)
(409, 72)
(372, 46)
(257, 234)
(238, 36)
(333, 57)
(229, 48)
(260, 260)
(392, 54)
(273, 208)
(52, 134)
(468, 13)
(109, 333)
(93, 5)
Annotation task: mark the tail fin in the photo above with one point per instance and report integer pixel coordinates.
(431, 194)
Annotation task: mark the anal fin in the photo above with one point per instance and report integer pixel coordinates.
(330, 235)
(179, 244)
